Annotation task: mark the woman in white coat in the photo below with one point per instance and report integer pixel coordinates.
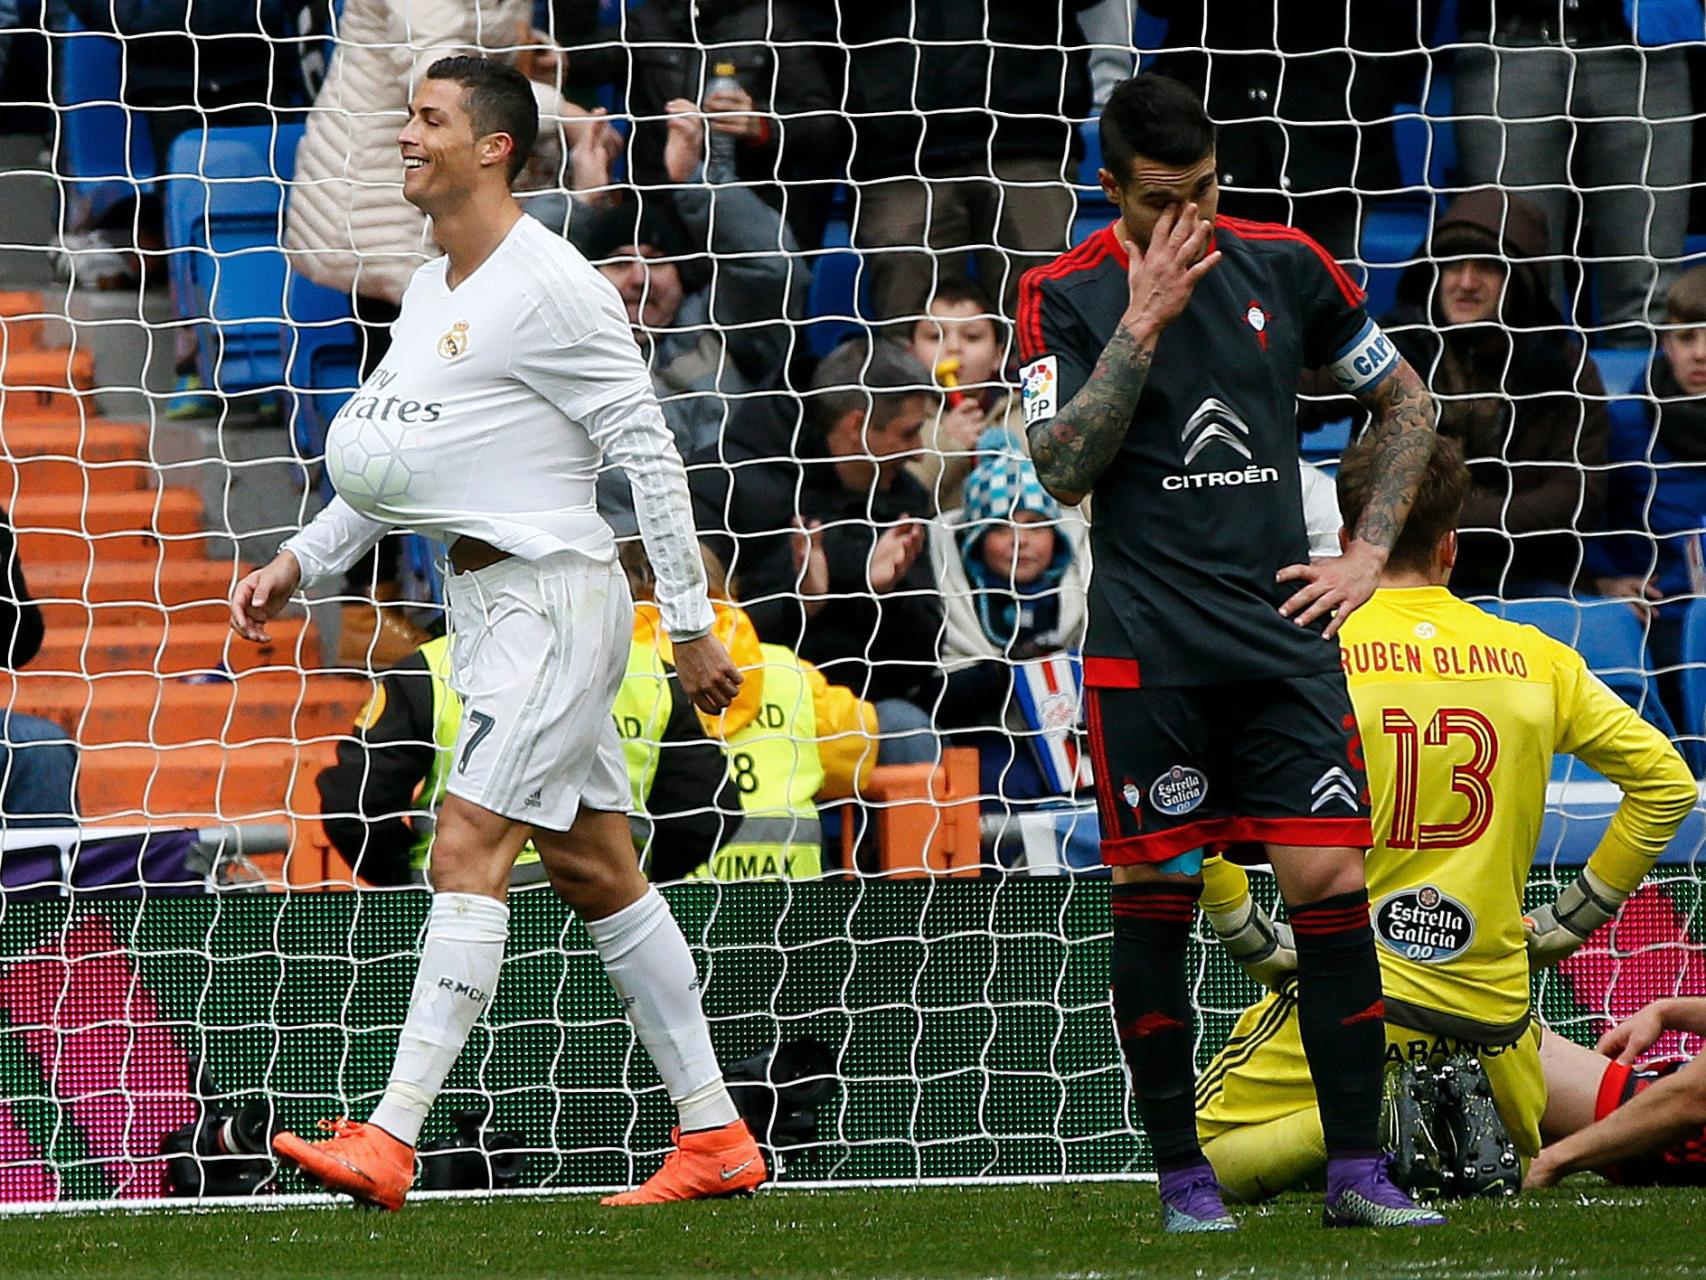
(347, 225)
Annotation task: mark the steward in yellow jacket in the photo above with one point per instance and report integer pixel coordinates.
(793, 739)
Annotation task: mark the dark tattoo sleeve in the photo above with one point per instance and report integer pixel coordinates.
(1402, 420)
(1073, 448)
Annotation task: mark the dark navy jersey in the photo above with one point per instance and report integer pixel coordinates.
(1203, 504)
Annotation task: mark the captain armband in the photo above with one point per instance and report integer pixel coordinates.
(1368, 358)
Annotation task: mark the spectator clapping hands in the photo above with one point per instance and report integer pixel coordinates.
(593, 148)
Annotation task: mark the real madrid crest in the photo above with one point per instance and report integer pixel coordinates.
(454, 343)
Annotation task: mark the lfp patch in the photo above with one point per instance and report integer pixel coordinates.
(1178, 791)
(1039, 381)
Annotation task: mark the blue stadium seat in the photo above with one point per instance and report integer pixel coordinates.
(1091, 163)
(1392, 238)
(1425, 138)
(1148, 35)
(321, 352)
(1394, 232)
(1610, 638)
(225, 211)
(421, 578)
(105, 150)
(839, 298)
(1326, 442)
(1094, 213)
(1624, 372)
(1694, 685)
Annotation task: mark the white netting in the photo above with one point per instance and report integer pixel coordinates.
(202, 246)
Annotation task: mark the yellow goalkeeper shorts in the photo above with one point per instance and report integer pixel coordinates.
(1262, 1076)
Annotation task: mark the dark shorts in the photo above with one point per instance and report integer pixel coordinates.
(1277, 761)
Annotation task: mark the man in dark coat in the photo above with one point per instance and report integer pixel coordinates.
(963, 138)
(821, 526)
(1475, 319)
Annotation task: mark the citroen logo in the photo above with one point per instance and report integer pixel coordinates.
(1213, 420)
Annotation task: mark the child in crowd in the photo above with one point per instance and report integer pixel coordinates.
(1011, 566)
(1652, 553)
(963, 339)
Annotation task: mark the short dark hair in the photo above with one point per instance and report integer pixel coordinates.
(875, 378)
(500, 100)
(955, 290)
(1686, 301)
(1434, 513)
(1153, 116)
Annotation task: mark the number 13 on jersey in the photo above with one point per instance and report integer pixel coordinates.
(1472, 779)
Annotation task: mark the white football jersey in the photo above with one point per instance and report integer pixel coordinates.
(490, 415)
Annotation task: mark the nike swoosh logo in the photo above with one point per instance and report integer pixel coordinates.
(736, 1171)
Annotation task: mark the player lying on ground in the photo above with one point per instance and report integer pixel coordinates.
(511, 373)
(1636, 1125)
(1459, 715)
(1162, 359)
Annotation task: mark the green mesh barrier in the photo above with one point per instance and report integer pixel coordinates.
(969, 1020)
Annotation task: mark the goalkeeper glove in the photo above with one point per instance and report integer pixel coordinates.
(1265, 950)
(1557, 929)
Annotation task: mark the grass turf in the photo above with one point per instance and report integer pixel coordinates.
(1584, 1230)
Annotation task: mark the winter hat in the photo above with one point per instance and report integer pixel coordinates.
(598, 231)
(1465, 240)
(1004, 482)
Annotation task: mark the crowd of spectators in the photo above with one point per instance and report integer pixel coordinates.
(874, 506)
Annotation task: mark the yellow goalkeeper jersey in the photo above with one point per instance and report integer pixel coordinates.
(1460, 714)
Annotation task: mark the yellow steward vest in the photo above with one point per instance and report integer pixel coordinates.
(447, 723)
(774, 762)
(641, 712)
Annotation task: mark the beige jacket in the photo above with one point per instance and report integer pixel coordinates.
(347, 225)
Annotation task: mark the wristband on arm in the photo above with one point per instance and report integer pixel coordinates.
(1559, 928)
(1263, 949)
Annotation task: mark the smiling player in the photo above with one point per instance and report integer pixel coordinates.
(511, 372)
(1163, 356)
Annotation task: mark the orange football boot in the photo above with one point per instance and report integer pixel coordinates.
(712, 1162)
(357, 1160)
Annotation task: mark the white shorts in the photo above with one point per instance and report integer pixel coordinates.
(538, 652)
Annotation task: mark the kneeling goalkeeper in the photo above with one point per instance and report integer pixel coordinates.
(1460, 714)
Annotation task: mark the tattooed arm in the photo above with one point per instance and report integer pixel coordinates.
(1402, 413)
(1402, 418)
(1073, 448)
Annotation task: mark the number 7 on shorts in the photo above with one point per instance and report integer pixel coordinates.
(482, 726)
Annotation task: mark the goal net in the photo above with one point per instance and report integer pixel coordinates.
(211, 890)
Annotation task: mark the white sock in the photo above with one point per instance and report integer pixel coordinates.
(459, 971)
(652, 970)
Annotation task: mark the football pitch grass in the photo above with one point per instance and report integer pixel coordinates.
(1585, 1229)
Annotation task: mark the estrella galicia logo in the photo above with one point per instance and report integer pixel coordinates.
(1178, 791)
(1423, 924)
(1213, 420)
